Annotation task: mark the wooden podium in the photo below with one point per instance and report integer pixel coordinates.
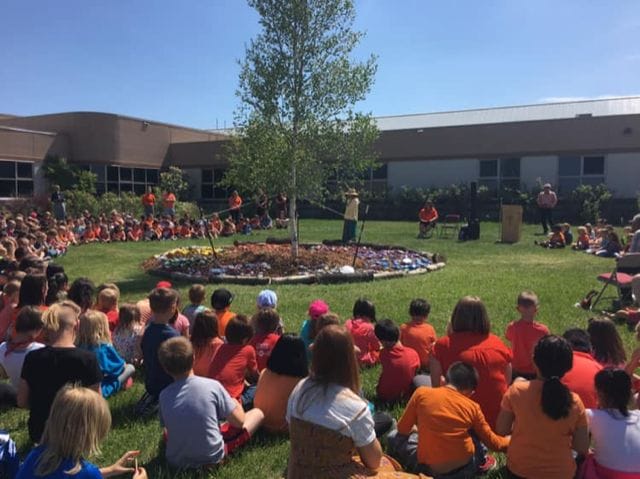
(511, 223)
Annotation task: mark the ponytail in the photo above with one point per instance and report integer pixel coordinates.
(556, 398)
(554, 358)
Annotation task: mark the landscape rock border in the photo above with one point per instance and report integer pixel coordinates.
(438, 262)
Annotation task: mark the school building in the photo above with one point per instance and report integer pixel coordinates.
(565, 144)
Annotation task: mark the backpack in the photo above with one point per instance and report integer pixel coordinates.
(9, 461)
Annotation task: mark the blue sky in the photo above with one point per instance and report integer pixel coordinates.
(176, 61)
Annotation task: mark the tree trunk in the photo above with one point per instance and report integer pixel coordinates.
(293, 215)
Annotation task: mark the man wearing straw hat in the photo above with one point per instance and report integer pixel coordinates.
(350, 215)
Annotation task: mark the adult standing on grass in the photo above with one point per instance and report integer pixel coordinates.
(235, 203)
(350, 216)
(634, 247)
(547, 201)
(169, 203)
(58, 202)
(148, 202)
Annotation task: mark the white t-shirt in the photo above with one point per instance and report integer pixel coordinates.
(12, 362)
(616, 439)
(339, 409)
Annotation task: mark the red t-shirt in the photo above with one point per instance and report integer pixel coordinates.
(523, 336)
(428, 214)
(230, 366)
(489, 355)
(169, 200)
(113, 317)
(581, 378)
(364, 337)
(420, 337)
(399, 365)
(263, 344)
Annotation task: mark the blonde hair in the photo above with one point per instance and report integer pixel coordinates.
(94, 329)
(108, 298)
(112, 286)
(59, 316)
(79, 420)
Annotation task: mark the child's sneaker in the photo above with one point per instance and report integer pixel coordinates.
(490, 464)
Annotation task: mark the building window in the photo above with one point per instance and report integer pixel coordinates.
(122, 179)
(210, 188)
(16, 179)
(500, 174)
(574, 171)
(373, 180)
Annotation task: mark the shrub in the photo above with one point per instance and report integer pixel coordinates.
(590, 201)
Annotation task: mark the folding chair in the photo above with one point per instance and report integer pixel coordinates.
(450, 223)
(621, 277)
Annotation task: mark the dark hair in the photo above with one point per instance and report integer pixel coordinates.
(606, 342)
(56, 287)
(614, 386)
(31, 263)
(386, 330)
(221, 298)
(419, 307)
(29, 319)
(554, 358)
(81, 292)
(265, 321)
(128, 314)
(176, 355)
(578, 340)
(363, 308)
(238, 329)
(54, 268)
(470, 314)
(32, 290)
(161, 300)
(462, 376)
(289, 357)
(205, 328)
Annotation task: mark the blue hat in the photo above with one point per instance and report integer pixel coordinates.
(267, 299)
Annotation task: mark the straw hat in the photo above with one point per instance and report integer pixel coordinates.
(351, 192)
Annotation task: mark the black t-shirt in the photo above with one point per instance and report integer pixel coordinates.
(46, 371)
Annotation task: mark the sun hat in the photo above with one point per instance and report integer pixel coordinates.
(317, 308)
(547, 185)
(267, 299)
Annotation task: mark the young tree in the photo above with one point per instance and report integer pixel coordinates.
(298, 85)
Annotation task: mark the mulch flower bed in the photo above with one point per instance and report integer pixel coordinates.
(264, 261)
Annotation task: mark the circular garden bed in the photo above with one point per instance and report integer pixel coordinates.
(268, 263)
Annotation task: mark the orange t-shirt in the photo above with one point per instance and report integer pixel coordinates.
(168, 200)
(540, 446)
(233, 362)
(235, 202)
(523, 336)
(444, 417)
(489, 355)
(272, 395)
(581, 378)
(148, 199)
(428, 214)
(420, 337)
(223, 318)
(204, 357)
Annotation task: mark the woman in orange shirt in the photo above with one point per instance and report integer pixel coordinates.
(546, 420)
(428, 216)
(235, 203)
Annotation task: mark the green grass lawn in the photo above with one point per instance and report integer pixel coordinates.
(495, 272)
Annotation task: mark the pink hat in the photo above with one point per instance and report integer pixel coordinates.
(317, 308)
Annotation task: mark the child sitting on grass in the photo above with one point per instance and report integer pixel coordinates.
(205, 341)
(450, 427)
(583, 241)
(606, 342)
(556, 238)
(316, 309)
(108, 304)
(93, 335)
(360, 326)
(399, 364)
(265, 323)
(10, 298)
(235, 361)
(523, 335)
(197, 293)
(128, 334)
(221, 300)
(417, 334)
(192, 409)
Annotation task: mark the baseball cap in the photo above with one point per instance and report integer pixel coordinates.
(317, 308)
(221, 298)
(267, 299)
(164, 284)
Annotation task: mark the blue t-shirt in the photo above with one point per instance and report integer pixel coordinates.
(305, 335)
(111, 364)
(153, 337)
(27, 470)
